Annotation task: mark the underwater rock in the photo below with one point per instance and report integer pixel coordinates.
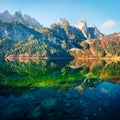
(67, 105)
(49, 103)
(106, 104)
(35, 113)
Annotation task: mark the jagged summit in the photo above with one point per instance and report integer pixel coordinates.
(18, 17)
(94, 32)
(6, 12)
(80, 31)
(82, 26)
(93, 26)
(5, 16)
(89, 32)
(75, 35)
(63, 23)
(18, 13)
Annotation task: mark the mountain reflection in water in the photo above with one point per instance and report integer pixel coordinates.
(60, 89)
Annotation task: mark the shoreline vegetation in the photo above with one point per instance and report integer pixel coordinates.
(34, 58)
(37, 58)
(100, 58)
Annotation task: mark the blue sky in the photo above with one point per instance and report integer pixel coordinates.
(103, 13)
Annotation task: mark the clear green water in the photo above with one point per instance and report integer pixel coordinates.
(60, 89)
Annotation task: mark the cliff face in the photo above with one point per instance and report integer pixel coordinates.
(91, 32)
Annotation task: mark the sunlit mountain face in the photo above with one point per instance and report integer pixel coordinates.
(23, 35)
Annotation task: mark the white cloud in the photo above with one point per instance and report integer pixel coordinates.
(108, 24)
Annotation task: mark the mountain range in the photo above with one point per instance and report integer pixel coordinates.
(18, 17)
(22, 35)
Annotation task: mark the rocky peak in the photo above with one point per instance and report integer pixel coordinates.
(64, 23)
(5, 16)
(18, 13)
(6, 12)
(81, 23)
(94, 32)
(82, 26)
(91, 32)
(93, 26)
(18, 17)
(31, 21)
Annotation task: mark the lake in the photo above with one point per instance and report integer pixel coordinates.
(60, 90)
